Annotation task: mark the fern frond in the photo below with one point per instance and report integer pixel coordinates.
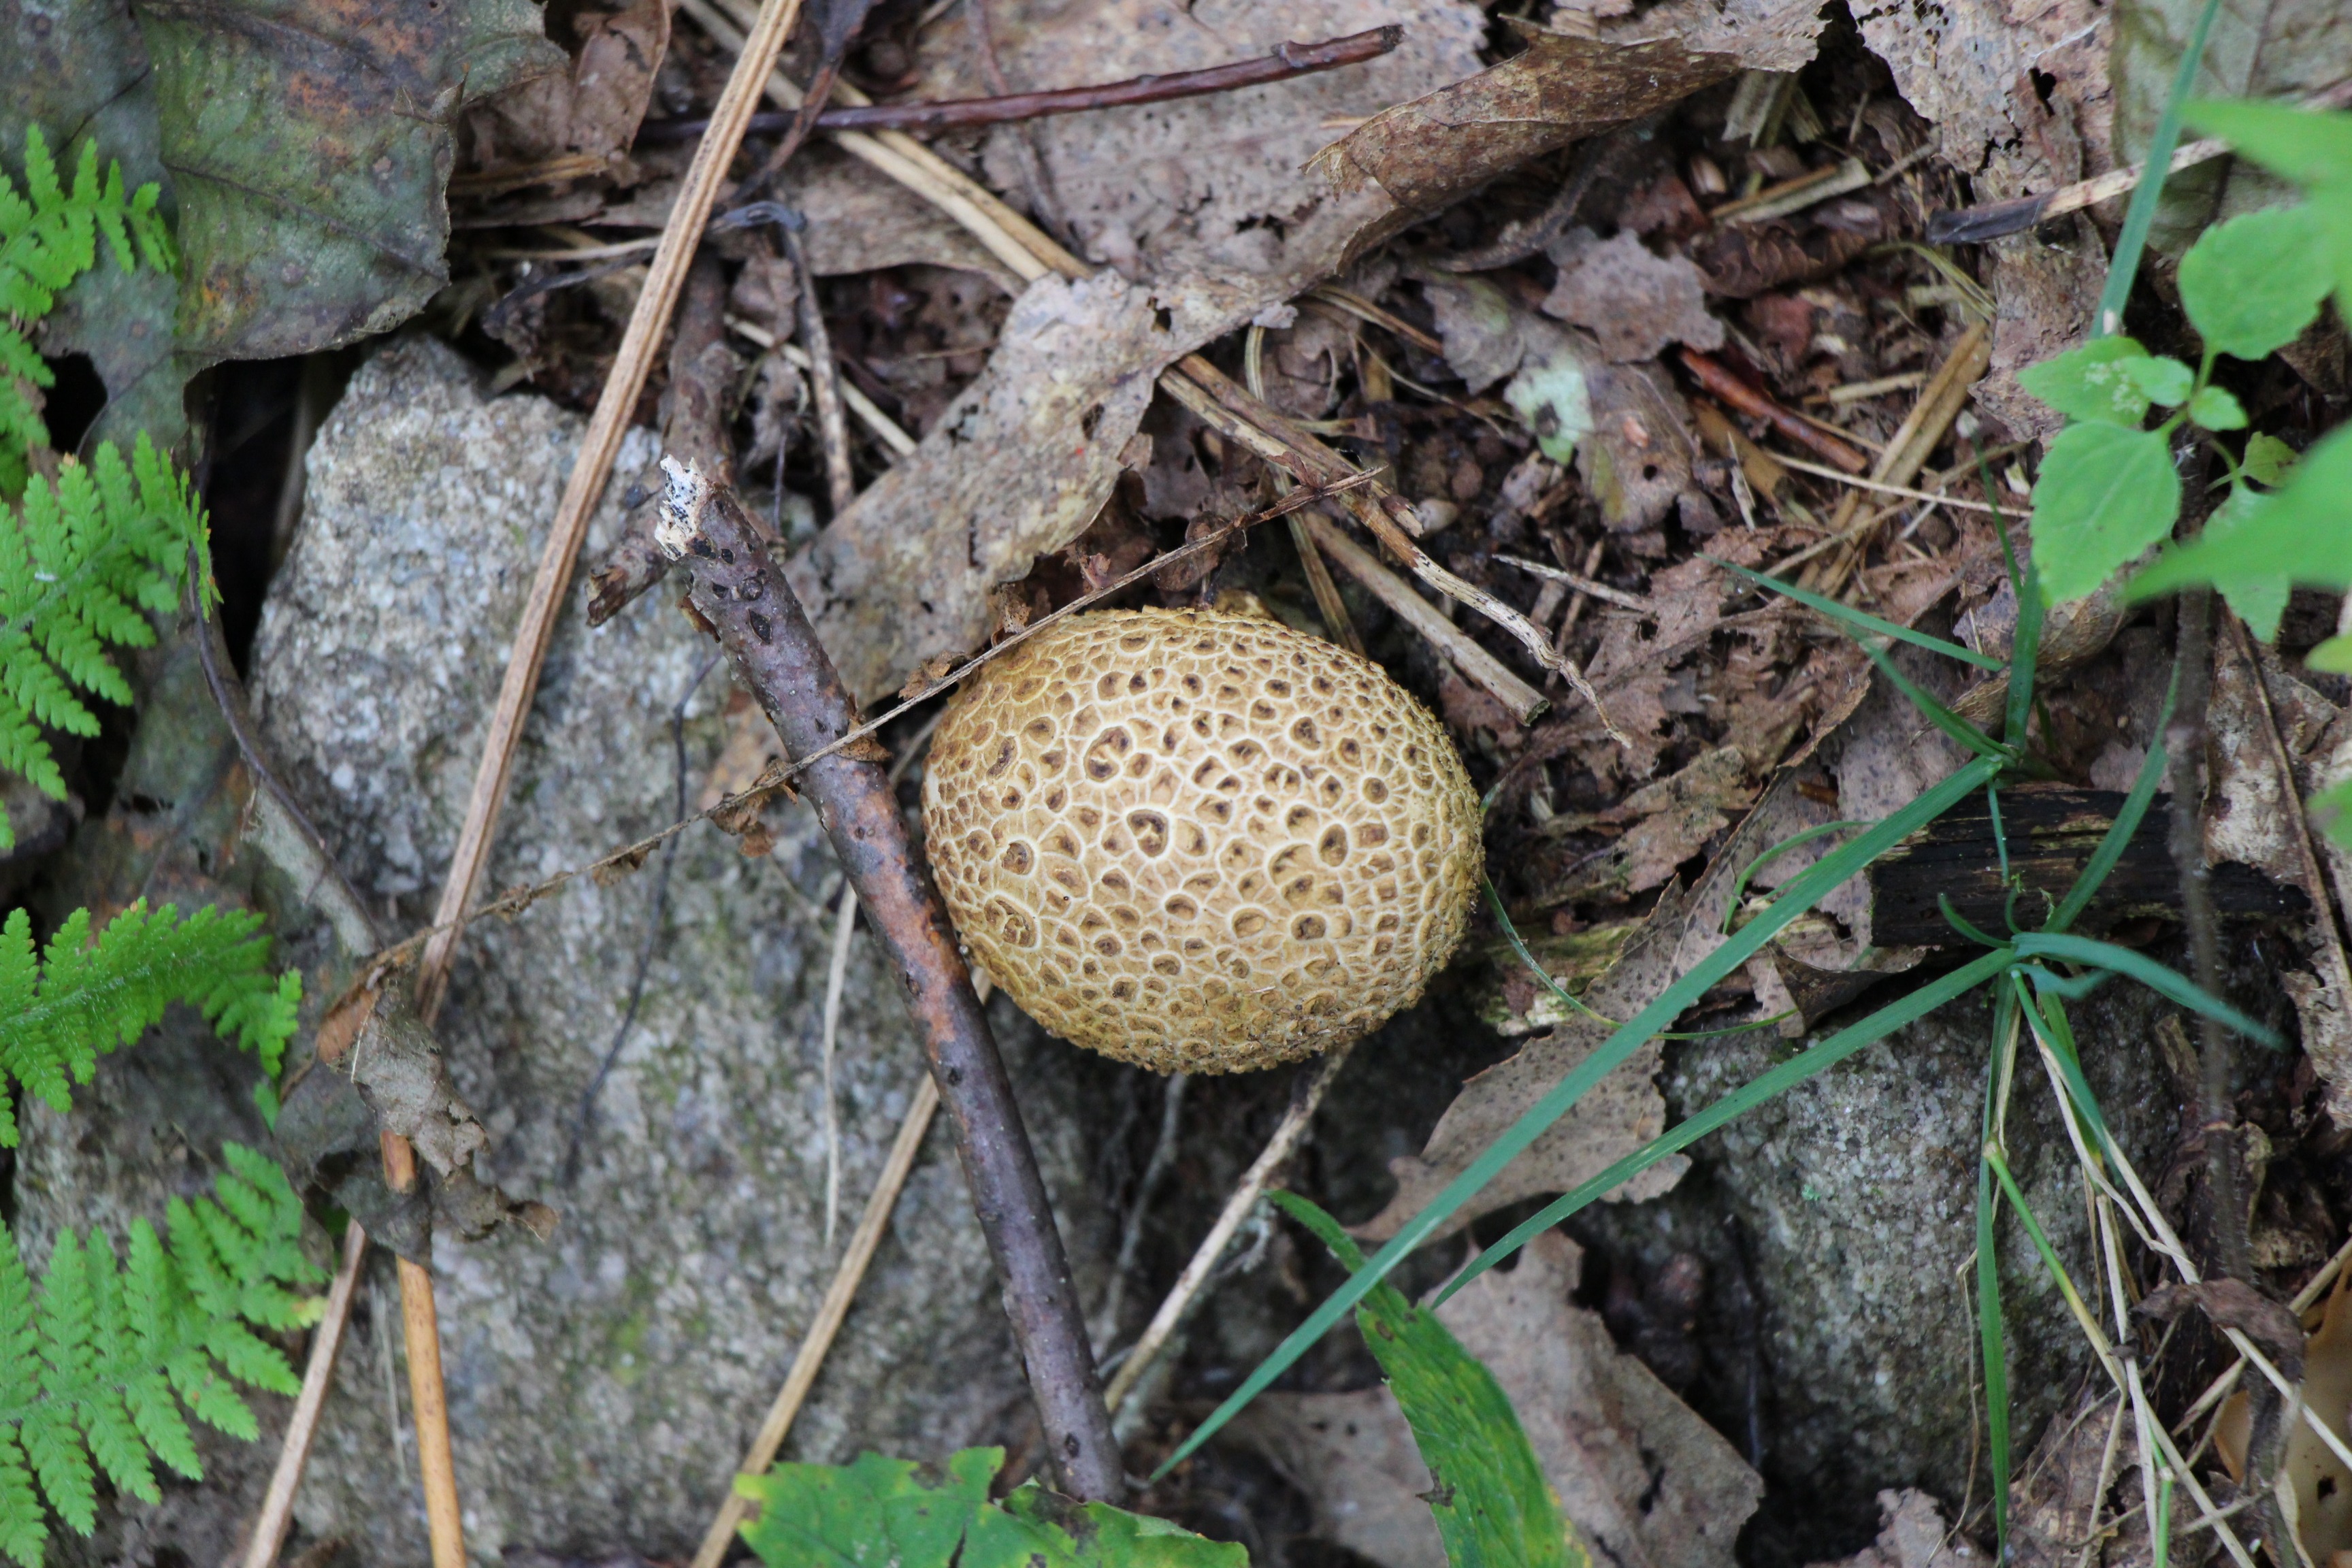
(49, 237)
(60, 1010)
(90, 1363)
(80, 560)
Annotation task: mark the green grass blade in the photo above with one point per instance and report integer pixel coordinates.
(1962, 923)
(2126, 823)
(1935, 713)
(2140, 217)
(1858, 620)
(1778, 1080)
(2046, 1016)
(2034, 1232)
(1794, 841)
(1575, 1004)
(1801, 895)
(1991, 1334)
(2148, 973)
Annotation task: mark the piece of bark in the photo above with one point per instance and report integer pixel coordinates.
(737, 594)
(2052, 832)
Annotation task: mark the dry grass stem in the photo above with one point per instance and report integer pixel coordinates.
(884, 427)
(277, 1514)
(810, 1358)
(1583, 585)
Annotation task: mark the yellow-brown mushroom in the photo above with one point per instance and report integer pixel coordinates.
(1200, 841)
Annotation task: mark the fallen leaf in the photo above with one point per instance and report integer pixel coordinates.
(1672, 820)
(1634, 300)
(1016, 467)
(308, 145)
(1646, 1481)
(1561, 87)
(594, 108)
(1216, 185)
(1914, 1536)
(2322, 1486)
(2234, 1304)
(1354, 1458)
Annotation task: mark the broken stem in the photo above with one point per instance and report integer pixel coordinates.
(739, 595)
(277, 1504)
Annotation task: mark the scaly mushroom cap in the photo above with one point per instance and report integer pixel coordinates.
(1198, 841)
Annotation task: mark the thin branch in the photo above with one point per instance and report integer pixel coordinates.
(810, 1358)
(1289, 60)
(1716, 379)
(738, 593)
(1307, 1090)
(824, 377)
(886, 429)
(277, 1504)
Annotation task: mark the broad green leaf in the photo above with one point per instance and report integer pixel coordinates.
(2090, 383)
(2258, 598)
(2164, 380)
(2301, 533)
(1491, 1501)
(2217, 408)
(893, 1513)
(2267, 460)
(2309, 147)
(2251, 284)
(2105, 494)
(2332, 656)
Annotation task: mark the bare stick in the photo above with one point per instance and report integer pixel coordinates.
(825, 379)
(1583, 585)
(1286, 61)
(420, 1328)
(810, 1359)
(1307, 1093)
(886, 429)
(739, 594)
(277, 1504)
(1719, 381)
(598, 447)
(1458, 647)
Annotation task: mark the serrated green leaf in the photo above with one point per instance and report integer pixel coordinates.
(2089, 383)
(2105, 494)
(2217, 408)
(2268, 459)
(2258, 598)
(2251, 284)
(2301, 533)
(2163, 380)
(1489, 1496)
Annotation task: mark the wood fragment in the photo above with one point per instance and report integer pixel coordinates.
(1719, 381)
(809, 1360)
(277, 1514)
(743, 598)
(420, 1330)
(1460, 649)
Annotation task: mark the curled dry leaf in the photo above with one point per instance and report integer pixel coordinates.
(594, 109)
(2322, 1486)
(1561, 87)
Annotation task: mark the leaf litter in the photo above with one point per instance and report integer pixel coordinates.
(1768, 170)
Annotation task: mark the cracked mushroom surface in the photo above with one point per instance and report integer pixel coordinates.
(1199, 841)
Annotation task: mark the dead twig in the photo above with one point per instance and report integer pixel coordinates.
(1289, 60)
(810, 1358)
(1328, 603)
(616, 403)
(277, 1514)
(1584, 585)
(824, 375)
(886, 429)
(1307, 1090)
(739, 595)
(1718, 380)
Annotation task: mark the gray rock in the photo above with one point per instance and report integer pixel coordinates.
(603, 1383)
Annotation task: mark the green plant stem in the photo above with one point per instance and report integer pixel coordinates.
(2138, 218)
(2185, 746)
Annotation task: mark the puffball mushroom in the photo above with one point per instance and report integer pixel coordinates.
(1200, 841)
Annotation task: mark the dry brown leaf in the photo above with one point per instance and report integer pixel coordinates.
(595, 108)
(1673, 819)
(1216, 185)
(2322, 1486)
(1644, 1480)
(1914, 1536)
(1634, 300)
(1422, 154)
(1354, 1458)
(1647, 1482)
(1015, 467)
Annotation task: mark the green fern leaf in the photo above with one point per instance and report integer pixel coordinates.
(97, 1367)
(79, 998)
(80, 559)
(49, 237)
